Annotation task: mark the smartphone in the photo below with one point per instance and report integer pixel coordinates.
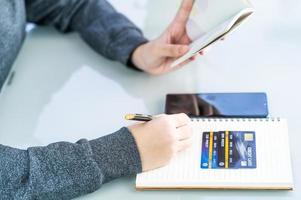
(247, 105)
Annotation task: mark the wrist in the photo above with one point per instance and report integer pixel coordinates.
(136, 132)
(138, 57)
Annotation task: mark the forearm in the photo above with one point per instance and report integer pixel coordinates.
(12, 32)
(66, 170)
(108, 32)
(99, 24)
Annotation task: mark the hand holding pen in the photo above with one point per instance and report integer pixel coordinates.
(160, 138)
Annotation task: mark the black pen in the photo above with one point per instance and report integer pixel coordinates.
(138, 117)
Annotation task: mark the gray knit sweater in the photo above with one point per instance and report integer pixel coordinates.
(65, 170)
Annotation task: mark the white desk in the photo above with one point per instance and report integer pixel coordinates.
(62, 90)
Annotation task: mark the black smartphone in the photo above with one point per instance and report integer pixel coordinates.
(218, 104)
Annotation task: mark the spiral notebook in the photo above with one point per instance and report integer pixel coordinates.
(228, 154)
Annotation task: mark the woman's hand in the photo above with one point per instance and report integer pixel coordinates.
(161, 138)
(156, 57)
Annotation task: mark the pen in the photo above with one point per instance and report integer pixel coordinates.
(138, 117)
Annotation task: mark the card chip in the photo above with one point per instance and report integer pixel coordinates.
(249, 137)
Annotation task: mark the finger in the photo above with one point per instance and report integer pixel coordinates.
(184, 132)
(184, 144)
(186, 62)
(184, 11)
(185, 39)
(180, 119)
(192, 58)
(204, 51)
(170, 50)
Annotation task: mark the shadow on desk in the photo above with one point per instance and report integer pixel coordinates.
(46, 65)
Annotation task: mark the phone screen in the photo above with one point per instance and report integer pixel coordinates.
(218, 104)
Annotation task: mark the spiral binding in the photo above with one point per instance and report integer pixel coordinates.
(217, 119)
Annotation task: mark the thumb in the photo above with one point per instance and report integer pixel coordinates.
(184, 11)
(171, 50)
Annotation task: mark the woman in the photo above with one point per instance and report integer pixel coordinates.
(65, 170)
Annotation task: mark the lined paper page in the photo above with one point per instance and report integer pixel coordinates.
(272, 152)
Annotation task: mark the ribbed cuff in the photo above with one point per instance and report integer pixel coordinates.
(117, 154)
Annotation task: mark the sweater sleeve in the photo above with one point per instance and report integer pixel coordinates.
(108, 32)
(66, 170)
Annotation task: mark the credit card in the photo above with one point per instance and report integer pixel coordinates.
(205, 150)
(221, 149)
(228, 150)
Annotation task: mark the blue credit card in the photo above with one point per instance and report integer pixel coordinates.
(228, 150)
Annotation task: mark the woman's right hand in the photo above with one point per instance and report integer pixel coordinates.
(161, 138)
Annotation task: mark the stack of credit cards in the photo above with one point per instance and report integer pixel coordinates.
(228, 150)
